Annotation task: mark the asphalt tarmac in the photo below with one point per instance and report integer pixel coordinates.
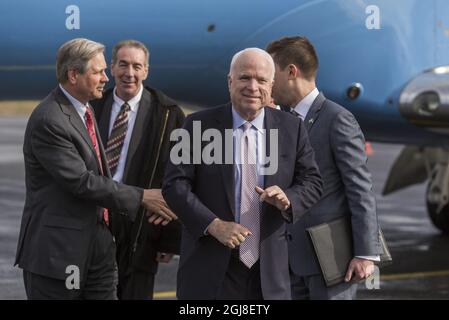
(421, 254)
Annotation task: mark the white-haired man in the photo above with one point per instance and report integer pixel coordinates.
(234, 214)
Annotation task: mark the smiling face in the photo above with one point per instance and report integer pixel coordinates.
(129, 71)
(250, 82)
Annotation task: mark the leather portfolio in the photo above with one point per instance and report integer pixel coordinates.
(333, 246)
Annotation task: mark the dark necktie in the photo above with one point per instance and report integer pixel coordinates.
(117, 138)
(88, 116)
(296, 114)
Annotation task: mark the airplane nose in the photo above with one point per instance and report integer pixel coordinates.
(425, 100)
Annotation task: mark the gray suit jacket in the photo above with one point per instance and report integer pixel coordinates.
(199, 193)
(64, 190)
(339, 147)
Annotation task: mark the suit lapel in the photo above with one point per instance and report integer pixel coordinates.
(314, 111)
(74, 118)
(104, 161)
(140, 126)
(271, 122)
(224, 120)
(105, 120)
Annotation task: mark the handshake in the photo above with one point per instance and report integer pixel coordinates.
(158, 211)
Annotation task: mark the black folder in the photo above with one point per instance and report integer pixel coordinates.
(334, 249)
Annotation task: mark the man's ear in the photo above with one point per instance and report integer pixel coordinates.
(72, 76)
(293, 71)
(229, 82)
(147, 73)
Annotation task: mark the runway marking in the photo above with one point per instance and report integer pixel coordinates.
(164, 294)
(413, 275)
(387, 277)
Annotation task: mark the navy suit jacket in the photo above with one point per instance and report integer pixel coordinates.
(199, 193)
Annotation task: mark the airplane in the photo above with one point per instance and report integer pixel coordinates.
(386, 61)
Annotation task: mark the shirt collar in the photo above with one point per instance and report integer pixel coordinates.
(238, 121)
(133, 103)
(304, 105)
(80, 108)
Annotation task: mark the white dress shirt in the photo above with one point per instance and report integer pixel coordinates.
(303, 106)
(80, 108)
(134, 107)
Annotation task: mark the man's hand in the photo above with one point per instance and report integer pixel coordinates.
(362, 268)
(274, 196)
(164, 257)
(229, 233)
(157, 209)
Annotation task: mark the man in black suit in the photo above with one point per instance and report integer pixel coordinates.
(65, 247)
(339, 147)
(142, 154)
(234, 209)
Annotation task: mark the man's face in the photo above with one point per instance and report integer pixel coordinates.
(250, 83)
(129, 70)
(90, 84)
(281, 87)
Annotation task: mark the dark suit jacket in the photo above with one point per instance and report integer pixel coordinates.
(64, 190)
(200, 193)
(149, 148)
(339, 147)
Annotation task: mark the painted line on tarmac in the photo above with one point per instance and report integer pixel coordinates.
(387, 277)
(164, 294)
(414, 275)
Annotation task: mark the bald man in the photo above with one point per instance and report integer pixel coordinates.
(235, 210)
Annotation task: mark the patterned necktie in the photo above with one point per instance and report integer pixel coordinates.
(117, 138)
(88, 116)
(249, 200)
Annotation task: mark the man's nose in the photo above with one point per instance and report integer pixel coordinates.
(129, 71)
(253, 85)
(105, 77)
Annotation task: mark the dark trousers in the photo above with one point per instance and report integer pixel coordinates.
(99, 282)
(135, 285)
(241, 283)
(313, 287)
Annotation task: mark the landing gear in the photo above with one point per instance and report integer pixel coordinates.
(437, 197)
(439, 219)
(416, 165)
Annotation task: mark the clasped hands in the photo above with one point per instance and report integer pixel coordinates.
(232, 234)
(158, 211)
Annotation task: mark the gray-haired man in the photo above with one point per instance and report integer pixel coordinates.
(65, 246)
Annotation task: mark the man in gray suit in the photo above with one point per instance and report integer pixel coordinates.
(339, 144)
(65, 248)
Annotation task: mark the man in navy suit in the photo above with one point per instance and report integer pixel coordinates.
(339, 147)
(234, 211)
